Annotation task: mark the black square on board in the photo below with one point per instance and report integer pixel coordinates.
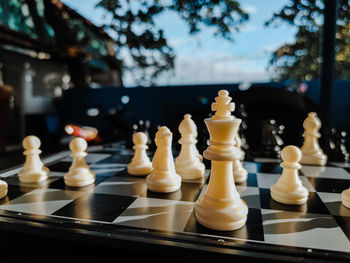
(329, 185)
(314, 204)
(344, 223)
(187, 192)
(273, 168)
(116, 158)
(253, 229)
(98, 207)
(59, 167)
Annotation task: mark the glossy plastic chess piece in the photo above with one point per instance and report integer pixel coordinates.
(240, 174)
(188, 163)
(140, 163)
(271, 139)
(289, 189)
(221, 207)
(345, 198)
(79, 173)
(3, 189)
(33, 170)
(311, 151)
(163, 177)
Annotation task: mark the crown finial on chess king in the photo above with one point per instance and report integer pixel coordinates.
(223, 106)
(221, 207)
(33, 170)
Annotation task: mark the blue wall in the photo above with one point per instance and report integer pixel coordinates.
(340, 102)
(166, 105)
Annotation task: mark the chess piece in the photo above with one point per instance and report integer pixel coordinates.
(271, 139)
(243, 115)
(163, 177)
(33, 170)
(311, 151)
(129, 142)
(195, 135)
(188, 163)
(240, 174)
(140, 163)
(144, 127)
(3, 189)
(221, 208)
(289, 189)
(339, 151)
(79, 173)
(345, 198)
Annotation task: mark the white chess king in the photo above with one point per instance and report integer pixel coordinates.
(79, 173)
(33, 170)
(221, 208)
(188, 164)
(140, 163)
(311, 150)
(289, 189)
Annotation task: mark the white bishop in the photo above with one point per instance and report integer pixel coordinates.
(188, 164)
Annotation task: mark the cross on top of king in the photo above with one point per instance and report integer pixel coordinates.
(223, 106)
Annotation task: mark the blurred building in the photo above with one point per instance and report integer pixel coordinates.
(46, 47)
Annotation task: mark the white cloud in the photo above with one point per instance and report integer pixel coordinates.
(250, 9)
(215, 70)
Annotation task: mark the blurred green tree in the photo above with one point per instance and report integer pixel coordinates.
(301, 59)
(139, 38)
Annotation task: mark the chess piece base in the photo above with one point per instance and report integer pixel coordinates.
(188, 170)
(163, 181)
(219, 214)
(345, 198)
(140, 170)
(38, 176)
(79, 177)
(297, 196)
(314, 159)
(240, 174)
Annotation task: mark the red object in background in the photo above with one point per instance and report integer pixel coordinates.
(85, 132)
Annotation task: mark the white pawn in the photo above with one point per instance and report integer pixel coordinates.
(163, 177)
(240, 174)
(188, 164)
(79, 173)
(140, 163)
(289, 189)
(345, 198)
(33, 170)
(311, 150)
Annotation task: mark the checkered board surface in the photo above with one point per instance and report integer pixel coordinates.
(122, 201)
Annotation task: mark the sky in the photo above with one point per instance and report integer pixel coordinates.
(205, 59)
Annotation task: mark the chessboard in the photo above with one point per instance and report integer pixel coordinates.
(119, 206)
